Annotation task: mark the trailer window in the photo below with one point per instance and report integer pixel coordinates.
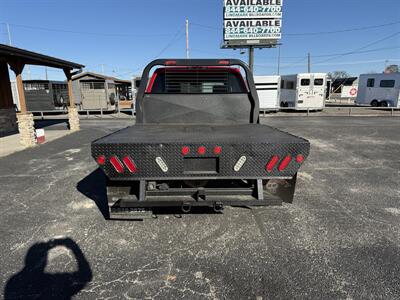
(305, 82)
(319, 81)
(196, 81)
(92, 85)
(370, 82)
(36, 86)
(387, 83)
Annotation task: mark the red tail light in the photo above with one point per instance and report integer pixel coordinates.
(101, 160)
(224, 62)
(285, 162)
(130, 164)
(201, 150)
(117, 164)
(217, 150)
(299, 158)
(185, 150)
(271, 164)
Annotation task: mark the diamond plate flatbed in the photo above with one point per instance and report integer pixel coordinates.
(144, 142)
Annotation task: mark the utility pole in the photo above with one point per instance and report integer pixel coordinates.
(102, 69)
(251, 58)
(187, 39)
(45, 70)
(28, 70)
(309, 62)
(9, 34)
(279, 59)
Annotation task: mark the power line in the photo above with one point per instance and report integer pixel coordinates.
(116, 34)
(314, 33)
(344, 30)
(321, 55)
(178, 35)
(362, 48)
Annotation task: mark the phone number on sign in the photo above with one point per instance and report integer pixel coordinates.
(253, 9)
(252, 30)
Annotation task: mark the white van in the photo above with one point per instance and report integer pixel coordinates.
(268, 88)
(303, 91)
(379, 90)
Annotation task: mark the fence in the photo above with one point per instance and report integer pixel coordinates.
(286, 112)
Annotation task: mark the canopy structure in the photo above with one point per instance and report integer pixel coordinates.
(17, 58)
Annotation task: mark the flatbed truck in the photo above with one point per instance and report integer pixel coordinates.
(198, 141)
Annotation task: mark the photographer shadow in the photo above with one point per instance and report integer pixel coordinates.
(32, 282)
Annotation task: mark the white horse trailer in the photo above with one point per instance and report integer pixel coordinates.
(379, 90)
(268, 88)
(303, 91)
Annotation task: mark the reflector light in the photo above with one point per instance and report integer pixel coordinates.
(224, 62)
(271, 164)
(239, 164)
(161, 163)
(170, 62)
(101, 160)
(217, 150)
(285, 162)
(130, 164)
(299, 158)
(185, 150)
(117, 164)
(201, 150)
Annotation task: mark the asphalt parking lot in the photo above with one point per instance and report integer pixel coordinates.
(339, 239)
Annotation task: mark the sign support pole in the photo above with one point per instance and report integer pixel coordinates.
(251, 58)
(187, 38)
(279, 59)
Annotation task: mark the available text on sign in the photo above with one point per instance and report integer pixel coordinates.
(251, 9)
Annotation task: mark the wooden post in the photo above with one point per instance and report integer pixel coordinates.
(18, 67)
(26, 124)
(6, 100)
(73, 114)
(67, 73)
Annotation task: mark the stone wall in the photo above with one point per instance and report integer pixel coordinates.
(8, 121)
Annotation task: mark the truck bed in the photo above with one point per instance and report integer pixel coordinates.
(167, 133)
(143, 143)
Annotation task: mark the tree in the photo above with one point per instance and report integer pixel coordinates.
(392, 69)
(338, 74)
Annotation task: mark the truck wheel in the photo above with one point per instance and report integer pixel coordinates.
(374, 103)
(384, 104)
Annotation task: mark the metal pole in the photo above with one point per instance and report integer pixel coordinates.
(251, 58)
(187, 39)
(279, 60)
(9, 34)
(309, 63)
(45, 69)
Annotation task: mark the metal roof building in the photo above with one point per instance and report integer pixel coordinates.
(17, 58)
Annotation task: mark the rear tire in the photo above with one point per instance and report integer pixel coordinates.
(384, 104)
(374, 103)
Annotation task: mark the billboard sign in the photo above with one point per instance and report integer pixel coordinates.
(250, 9)
(252, 22)
(252, 29)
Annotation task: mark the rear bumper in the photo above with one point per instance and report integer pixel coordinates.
(125, 198)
